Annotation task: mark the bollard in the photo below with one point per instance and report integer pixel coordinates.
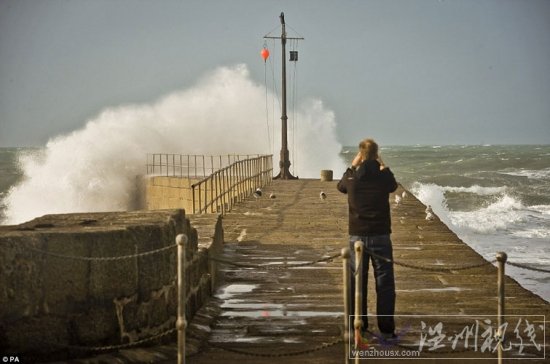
(326, 175)
(358, 322)
(345, 259)
(501, 259)
(181, 323)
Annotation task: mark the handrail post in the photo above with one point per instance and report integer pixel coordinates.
(346, 280)
(211, 194)
(218, 189)
(173, 165)
(501, 262)
(205, 197)
(222, 172)
(193, 191)
(358, 321)
(181, 323)
(200, 204)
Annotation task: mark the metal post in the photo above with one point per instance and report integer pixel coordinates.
(211, 193)
(501, 259)
(205, 197)
(230, 177)
(200, 204)
(181, 323)
(218, 189)
(346, 279)
(222, 190)
(193, 190)
(358, 321)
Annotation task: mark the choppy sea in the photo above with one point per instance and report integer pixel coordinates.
(495, 198)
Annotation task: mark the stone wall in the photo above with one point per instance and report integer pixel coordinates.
(49, 302)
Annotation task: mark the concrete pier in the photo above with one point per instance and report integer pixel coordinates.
(281, 312)
(268, 315)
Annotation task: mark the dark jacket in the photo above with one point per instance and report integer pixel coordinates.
(368, 190)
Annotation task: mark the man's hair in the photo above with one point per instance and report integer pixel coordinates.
(368, 149)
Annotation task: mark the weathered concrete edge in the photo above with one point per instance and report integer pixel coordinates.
(198, 270)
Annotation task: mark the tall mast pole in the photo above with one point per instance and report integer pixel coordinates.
(284, 162)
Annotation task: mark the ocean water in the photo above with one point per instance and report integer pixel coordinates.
(495, 198)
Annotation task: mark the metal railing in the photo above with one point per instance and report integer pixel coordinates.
(190, 165)
(222, 189)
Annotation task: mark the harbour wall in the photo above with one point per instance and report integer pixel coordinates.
(74, 281)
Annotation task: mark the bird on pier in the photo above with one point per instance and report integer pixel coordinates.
(272, 195)
(404, 194)
(258, 193)
(429, 213)
(323, 196)
(397, 199)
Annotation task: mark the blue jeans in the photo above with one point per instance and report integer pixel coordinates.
(383, 275)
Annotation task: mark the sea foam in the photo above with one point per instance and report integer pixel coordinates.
(502, 214)
(95, 168)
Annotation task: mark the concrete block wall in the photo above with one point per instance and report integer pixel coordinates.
(163, 192)
(49, 303)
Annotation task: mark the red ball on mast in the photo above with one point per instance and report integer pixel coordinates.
(264, 53)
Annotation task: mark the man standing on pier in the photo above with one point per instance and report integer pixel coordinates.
(368, 184)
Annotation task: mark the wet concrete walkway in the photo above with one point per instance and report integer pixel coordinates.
(285, 311)
(275, 312)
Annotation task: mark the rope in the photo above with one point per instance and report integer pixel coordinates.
(431, 269)
(117, 347)
(528, 267)
(267, 108)
(275, 266)
(57, 255)
(294, 47)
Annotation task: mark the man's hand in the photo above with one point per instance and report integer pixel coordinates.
(357, 160)
(382, 165)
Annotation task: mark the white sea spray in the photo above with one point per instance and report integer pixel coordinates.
(95, 168)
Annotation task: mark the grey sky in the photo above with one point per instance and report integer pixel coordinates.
(402, 71)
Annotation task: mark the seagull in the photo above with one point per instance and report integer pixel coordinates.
(258, 193)
(322, 195)
(404, 194)
(272, 195)
(429, 210)
(397, 199)
(429, 216)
